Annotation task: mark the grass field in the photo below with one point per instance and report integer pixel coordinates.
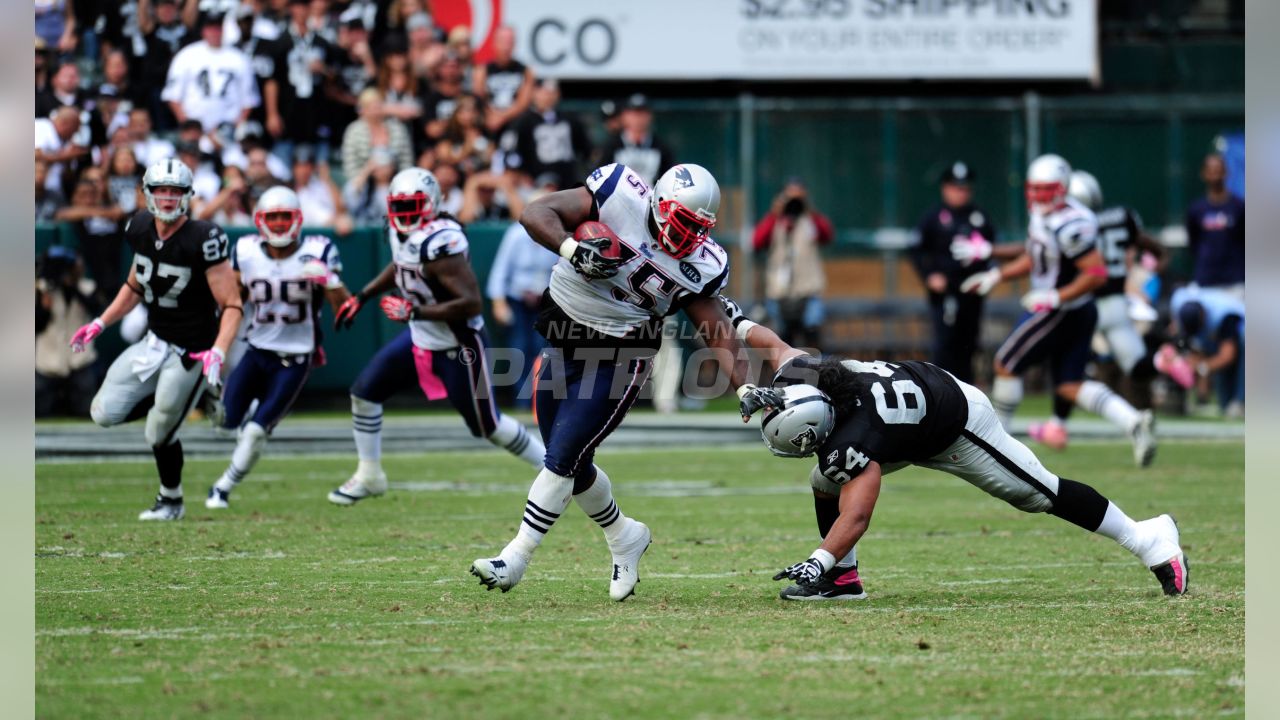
(287, 606)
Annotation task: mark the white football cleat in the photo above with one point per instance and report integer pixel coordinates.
(502, 572)
(358, 488)
(1164, 555)
(164, 509)
(626, 560)
(1144, 439)
(218, 499)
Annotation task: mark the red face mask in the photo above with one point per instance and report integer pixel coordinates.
(408, 212)
(278, 222)
(684, 230)
(1044, 194)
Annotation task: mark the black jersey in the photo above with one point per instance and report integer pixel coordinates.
(889, 412)
(180, 307)
(1118, 228)
(502, 83)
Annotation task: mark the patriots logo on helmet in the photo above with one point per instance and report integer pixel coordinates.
(683, 178)
(805, 439)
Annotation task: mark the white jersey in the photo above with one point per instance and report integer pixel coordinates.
(651, 284)
(1055, 241)
(441, 237)
(213, 85)
(286, 307)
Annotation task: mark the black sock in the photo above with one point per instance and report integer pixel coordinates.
(827, 509)
(1062, 407)
(169, 465)
(1079, 504)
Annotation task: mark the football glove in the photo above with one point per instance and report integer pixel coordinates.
(803, 573)
(346, 315)
(733, 310)
(588, 259)
(970, 250)
(212, 360)
(981, 283)
(1171, 363)
(752, 399)
(86, 334)
(316, 271)
(1041, 301)
(397, 308)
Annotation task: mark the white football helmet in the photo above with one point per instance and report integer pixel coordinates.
(1085, 188)
(802, 425)
(1048, 178)
(684, 203)
(413, 199)
(278, 216)
(170, 172)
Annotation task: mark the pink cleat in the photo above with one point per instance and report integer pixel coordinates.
(1051, 434)
(1177, 367)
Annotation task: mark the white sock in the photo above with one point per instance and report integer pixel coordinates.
(366, 426)
(597, 502)
(1006, 395)
(253, 438)
(548, 497)
(510, 435)
(1101, 400)
(171, 493)
(849, 560)
(1121, 528)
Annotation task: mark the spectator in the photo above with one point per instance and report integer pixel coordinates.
(793, 232)
(323, 22)
(504, 84)
(162, 37)
(1209, 323)
(319, 198)
(464, 143)
(259, 50)
(115, 72)
(366, 190)
(147, 148)
(231, 206)
(547, 141)
(64, 91)
(1215, 231)
(206, 180)
(451, 196)
(610, 117)
(124, 180)
(258, 174)
(635, 146)
(294, 94)
(488, 197)
(249, 137)
(459, 45)
(211, 82)
(425, 49)
(374, 130)
(106, 117)
(354, 69)
(403, 94)
(56, 24)
(443, 98)
(520, 273)
(96, 223)
(957, 316)
(48, 201)
(42, 62)
(61, 143)
(65, 381)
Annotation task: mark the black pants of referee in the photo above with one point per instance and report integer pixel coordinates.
(957, 323)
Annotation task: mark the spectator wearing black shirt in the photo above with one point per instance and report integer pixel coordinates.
(547, 141)
(1215, 231)
(443, 98)
(294, 94)
(96, 223)
(353, 70)
(403, 95)
(956, 316)
(505, 84)
(162, 37)
(64, 90)
(106, 116)
(635, 146)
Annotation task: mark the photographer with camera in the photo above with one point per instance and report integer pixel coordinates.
(65, 381)
(792, 232)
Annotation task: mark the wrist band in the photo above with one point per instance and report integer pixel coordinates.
(745, 388)
(743, 327)
(568, 247)
(238, 308)
(827, 560)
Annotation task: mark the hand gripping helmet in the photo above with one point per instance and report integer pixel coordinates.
(169, 172)
(803, 423)
(1084, 187)
(413, 199)
(1047, 182)
(278, 216)
(684, 203)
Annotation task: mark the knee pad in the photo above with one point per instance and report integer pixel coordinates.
(158, 425)
(1032, 502)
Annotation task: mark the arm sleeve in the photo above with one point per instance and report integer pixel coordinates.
(443, 243)
(602, 182)
(214, 247)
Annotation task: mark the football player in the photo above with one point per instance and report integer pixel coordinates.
(601, 316)
(1057, 326)
(285, 275)
(180, 271)
(1120, 240)
(867, 419)
(444, 349)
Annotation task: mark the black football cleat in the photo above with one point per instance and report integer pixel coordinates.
(838, 583)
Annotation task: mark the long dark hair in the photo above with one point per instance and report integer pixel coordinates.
(840, 384)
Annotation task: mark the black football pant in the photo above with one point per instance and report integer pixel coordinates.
(957, 324)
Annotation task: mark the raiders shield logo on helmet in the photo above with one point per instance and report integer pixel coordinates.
(805, 439)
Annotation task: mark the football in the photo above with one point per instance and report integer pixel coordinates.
(592, 230)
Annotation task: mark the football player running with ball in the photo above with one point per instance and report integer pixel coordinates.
(180, 271)
(285, 276)
(866, 419)
(601, 316)
(444, 349)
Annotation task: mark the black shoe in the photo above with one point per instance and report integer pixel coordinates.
(1173, 575)
(839, 583)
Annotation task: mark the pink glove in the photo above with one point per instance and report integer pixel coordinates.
(1177, 367)
(1041, 301)
(397, 308)
(972, 249)
(212, 361)
(86, 334)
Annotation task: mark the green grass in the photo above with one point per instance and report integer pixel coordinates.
(286, 606)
